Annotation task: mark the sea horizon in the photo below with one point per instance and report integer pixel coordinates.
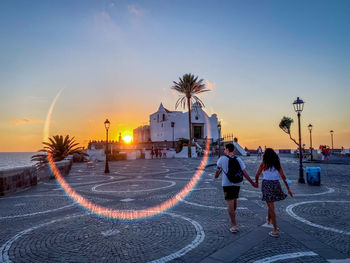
(10, 160)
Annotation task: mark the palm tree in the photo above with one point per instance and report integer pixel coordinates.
(189, 86)
(59, 148)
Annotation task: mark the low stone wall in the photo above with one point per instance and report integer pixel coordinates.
(45, 173)
(17, 178)
(14, 179)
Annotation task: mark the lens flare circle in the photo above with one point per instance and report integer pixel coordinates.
(94, 189)
(124, 214)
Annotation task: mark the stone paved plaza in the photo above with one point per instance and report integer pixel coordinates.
(42, 224)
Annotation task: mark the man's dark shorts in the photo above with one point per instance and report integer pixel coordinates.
(231, 192)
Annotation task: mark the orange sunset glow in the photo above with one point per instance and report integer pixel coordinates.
(115, 68)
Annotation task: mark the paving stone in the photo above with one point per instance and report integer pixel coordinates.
(35, 227)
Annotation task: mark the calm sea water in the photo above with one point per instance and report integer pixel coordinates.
(13, 159)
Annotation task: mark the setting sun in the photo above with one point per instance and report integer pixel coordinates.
(127, 139)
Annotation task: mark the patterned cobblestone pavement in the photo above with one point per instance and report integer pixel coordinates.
(42, 224)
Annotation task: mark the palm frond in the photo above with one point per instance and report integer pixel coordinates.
(181, 101)
(59, 147)
(196, 99)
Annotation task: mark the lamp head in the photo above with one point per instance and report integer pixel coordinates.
(298, 105)
(107, 124)
(331, 131)
(310, 127)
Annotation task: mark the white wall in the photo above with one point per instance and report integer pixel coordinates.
(96, 155)
(162, 130)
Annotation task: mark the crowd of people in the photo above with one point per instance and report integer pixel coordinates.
(158, 153)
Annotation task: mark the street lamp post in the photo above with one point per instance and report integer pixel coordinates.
(331, 131)
(219, 139)
(107, 124)
(298, 105)
(173, 126)
(310, 129)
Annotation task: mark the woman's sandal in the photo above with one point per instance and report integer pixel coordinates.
(234, 230)
(274, 234)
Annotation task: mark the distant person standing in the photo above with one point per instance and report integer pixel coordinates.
(322, 152)
(156, 153)
(231, 190)
(326, 153)
(164, 153)
(259, 152)
(342, 151)
(152, 153)
(271, 188)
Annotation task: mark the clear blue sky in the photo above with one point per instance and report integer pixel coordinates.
(119, 58)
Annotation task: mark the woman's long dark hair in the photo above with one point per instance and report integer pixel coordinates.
(271, 159)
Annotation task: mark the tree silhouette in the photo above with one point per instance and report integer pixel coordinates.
(285, 124)
(189, 86)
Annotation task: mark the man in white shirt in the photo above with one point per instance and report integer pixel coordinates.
(231, 190)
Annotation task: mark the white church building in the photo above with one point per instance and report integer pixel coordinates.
(166, 125)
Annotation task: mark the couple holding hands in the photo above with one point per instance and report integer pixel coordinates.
(271, 188)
